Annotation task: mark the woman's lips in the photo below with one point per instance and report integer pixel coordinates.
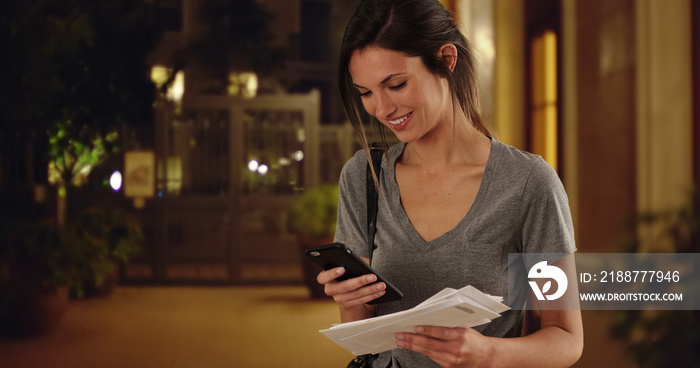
(400, 123)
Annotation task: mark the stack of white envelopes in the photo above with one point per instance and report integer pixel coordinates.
(466, 307)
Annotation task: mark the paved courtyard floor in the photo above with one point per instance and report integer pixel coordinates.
(179, 326)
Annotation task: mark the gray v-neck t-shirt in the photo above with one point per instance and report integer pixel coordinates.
(520, 207)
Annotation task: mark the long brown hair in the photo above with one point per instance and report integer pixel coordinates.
(416, 28)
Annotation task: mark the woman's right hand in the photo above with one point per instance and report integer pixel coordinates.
(353, 292)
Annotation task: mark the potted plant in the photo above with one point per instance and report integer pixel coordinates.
(313, 218)
(34, 276)
(102, 239)
(664, 338)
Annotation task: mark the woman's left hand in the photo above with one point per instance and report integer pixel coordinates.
(448, 347)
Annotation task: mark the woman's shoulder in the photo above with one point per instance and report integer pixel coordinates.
(514, 156)
(352, 177)
(357, 164)
(516, 163)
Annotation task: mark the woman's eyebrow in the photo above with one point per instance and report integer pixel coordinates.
(388, 78)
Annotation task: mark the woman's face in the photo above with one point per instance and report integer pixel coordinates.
(401, 93)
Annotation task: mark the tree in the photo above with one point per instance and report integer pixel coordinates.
(236, 37)
(76, 71)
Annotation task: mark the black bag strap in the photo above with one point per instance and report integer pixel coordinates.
(376, 153)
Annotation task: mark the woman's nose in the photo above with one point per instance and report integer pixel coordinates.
(383, 106)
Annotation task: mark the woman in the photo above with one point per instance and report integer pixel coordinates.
(453, 201)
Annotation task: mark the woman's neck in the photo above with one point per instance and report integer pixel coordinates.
(457, 143)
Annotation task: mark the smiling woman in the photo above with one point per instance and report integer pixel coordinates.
(417, 30)
(398, 90)
(453, 203)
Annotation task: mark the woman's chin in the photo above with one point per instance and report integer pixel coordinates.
(405, 138)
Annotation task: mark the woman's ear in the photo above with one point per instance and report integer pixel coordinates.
(448, 55)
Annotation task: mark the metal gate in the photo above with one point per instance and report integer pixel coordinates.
(227, 170)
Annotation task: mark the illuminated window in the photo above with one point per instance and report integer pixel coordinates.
(544, 97)
(243, 84)
(160, 75)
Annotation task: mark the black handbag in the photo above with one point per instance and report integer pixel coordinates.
(361, 361)
(376, 151)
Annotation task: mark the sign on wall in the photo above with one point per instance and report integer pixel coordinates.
(139, 174)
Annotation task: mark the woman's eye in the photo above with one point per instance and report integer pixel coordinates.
(398, 86)
(365, 94)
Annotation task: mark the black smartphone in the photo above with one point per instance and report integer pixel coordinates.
(338, 255)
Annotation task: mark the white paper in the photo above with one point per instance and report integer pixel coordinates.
(466, 307)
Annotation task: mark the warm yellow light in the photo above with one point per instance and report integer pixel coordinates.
(160, 75)
(550, 65)
(544, 129)
(244, 84)
(550, 137)
(173, 173)
(550, 57)
(177, 89)
(234, 86)
(250, 81)
(483, 42)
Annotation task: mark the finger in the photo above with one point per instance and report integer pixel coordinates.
(422, 341)
(443, 342)
(348, 285)
(428, 346)
(325, 277)
(441, 333)
(361, 300)
(356, 290)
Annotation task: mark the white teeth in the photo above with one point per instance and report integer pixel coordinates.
(399, 121)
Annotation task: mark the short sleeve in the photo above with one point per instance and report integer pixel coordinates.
(351, 228)
(546, 217)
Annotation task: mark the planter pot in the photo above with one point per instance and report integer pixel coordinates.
(110, 282)
(28, 307)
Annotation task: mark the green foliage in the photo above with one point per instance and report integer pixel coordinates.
(668, 338)
(75, 72)
(78, 70)
(99, 238)
(83, 253)
(315, 212)
(76, 150)
(78, 60)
